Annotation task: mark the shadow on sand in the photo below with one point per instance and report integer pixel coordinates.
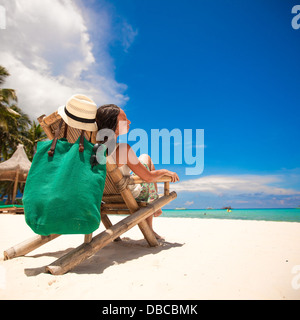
(113, 254)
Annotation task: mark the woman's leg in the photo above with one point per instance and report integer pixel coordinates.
(147, 160)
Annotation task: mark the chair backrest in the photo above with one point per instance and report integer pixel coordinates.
(50, 124)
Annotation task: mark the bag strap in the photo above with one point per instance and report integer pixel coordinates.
(66, 130)
(54, 142)
(56, 135)
(81, 143)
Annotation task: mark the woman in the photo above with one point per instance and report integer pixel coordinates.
(112, 117)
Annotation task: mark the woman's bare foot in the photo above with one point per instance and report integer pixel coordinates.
(149, 221)
(157, 213)
(158, 237)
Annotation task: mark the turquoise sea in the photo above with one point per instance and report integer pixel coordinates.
(290, 215)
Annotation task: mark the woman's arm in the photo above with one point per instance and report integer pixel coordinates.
(125, 155)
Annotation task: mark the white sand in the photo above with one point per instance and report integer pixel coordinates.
(201, 259)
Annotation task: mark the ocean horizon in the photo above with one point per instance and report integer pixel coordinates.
(259, 214)
(266, 214)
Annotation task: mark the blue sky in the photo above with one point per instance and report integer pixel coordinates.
(228, 67)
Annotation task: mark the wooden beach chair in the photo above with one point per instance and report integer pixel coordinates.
(117, 199)
(11, 209)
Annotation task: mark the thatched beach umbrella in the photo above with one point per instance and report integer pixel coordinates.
(15, 169)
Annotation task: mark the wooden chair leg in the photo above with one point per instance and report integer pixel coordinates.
(83, 252)
(88, 238)
(148, 234)
(107, 224)
(27, 246)
(143, 225)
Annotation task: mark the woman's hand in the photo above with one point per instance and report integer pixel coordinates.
(138, 168)
(173, 176)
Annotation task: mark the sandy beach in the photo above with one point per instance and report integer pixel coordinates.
(200, 259)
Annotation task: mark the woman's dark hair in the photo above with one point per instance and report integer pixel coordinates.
(107, 117)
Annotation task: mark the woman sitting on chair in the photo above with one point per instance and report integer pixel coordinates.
(110, 117)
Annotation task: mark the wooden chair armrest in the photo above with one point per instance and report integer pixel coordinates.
(138, 180)
(165, 179)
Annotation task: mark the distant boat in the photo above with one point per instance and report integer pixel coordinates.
(209, 208)
(180, 208)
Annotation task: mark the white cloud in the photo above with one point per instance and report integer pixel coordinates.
(128, 35)
(236, 184)
(48, 51)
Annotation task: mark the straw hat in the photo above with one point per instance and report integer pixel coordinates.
(80, 113)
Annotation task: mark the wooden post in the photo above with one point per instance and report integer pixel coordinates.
(15, 186)
(167, 188)
(131, 203)
(137, 180)
(46, 128)
(107, 223)
(106, 211)
(27, 246)
(86, 250)
(88, 238)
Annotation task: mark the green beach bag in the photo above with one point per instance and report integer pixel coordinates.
(64, 188)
